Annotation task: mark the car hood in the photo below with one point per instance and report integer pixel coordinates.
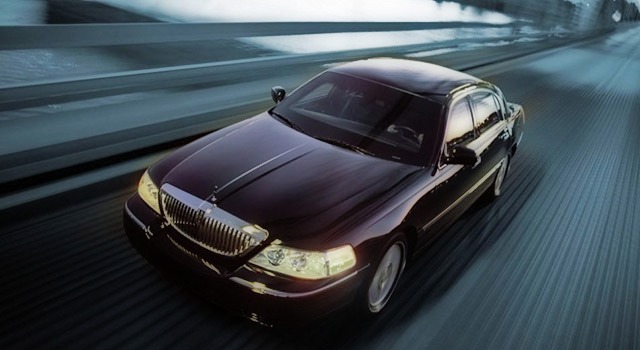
(289, 183)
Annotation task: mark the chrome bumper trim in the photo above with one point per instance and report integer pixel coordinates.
(133, 217)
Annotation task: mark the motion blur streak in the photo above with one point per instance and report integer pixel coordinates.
(554, 263)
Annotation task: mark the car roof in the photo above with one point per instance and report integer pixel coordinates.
(417, 77)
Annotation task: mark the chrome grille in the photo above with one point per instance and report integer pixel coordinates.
(182, 216)
(207, 225)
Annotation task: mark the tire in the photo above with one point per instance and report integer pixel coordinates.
(385, 276)
(498, 181)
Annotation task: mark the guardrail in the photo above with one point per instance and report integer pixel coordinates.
(80, 35)
(63, 90)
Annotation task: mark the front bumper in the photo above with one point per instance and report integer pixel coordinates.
(259, 296)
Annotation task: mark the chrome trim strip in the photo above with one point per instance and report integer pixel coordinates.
(262, 289)
(145, 228)
(214, 142)
(135, 219)
(465, 195)
(258, 167)
(210, 265)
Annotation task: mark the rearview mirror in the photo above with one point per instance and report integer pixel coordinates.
(278, 93)
(462, 155)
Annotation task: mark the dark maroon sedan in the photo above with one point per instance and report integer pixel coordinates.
(320, 202)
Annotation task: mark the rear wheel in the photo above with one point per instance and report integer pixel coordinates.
(501, 175)
(385, 278)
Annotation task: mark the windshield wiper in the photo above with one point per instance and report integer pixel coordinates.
(344, 145)
(286, 121)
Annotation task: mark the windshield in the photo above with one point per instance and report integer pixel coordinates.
(364, 116)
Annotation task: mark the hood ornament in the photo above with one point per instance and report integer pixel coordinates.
(213, 197)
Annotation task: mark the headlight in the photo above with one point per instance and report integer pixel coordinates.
(148, 191)
(305, 264)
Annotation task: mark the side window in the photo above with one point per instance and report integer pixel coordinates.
(459, 125)
(485, 110)
(500, 107)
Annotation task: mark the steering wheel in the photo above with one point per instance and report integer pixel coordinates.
(407, 131)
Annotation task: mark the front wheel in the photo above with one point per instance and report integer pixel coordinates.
(386, 276)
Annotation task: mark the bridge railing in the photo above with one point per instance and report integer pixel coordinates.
(23, 95)
(80, 35)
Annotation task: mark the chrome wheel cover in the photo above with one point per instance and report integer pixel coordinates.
(386, 276)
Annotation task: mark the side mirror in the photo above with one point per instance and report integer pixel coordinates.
(278, 93)
(462, 155)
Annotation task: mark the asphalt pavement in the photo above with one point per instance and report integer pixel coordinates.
(552, 264)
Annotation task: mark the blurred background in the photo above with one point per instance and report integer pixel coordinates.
(93, 92)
